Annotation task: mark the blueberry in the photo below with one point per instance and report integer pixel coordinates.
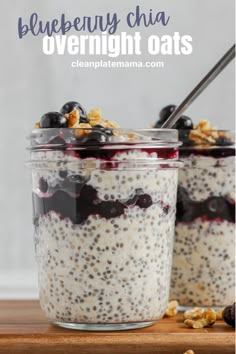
(158, 124)
(229, 315)
(144, 201)
(53, 120)
(95, 137)
(184, 137)
(111, 209)
(105, 130)
(183, 123)
(63, 174)
(164, 115)
(71, 106)
(216, 205)
(166, 112)
(61, 203)
(223, 141)
(88, 194)
(82, 119)
(132, 200)
(233, 313)
(98, 126)
(43, 185)
(182, 195)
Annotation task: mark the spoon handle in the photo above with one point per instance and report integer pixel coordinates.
(211, 75)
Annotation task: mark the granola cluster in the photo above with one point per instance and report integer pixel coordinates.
(94, 119)
(205, 134)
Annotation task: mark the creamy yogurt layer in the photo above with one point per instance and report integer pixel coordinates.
(105, 271)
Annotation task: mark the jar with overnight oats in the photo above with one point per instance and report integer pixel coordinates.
(104, 202)
(203, 272)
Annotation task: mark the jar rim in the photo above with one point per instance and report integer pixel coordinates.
(45, 138)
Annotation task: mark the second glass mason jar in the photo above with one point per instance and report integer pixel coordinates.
(104, 225)
(203, 271)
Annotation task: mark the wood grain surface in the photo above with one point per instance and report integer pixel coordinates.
(24, 329)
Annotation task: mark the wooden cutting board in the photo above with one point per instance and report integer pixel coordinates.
(24, 329)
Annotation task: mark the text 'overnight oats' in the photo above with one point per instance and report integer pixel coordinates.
(204, 257)
(104, 212)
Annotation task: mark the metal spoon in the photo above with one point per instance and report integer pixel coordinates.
(212, 74)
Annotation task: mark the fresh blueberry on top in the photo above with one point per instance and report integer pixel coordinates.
(95, 137)
(71, 106)
(158, 124)
(183, 123)
(164, 115)
(166, 112)
(184, 137)
(53, 120)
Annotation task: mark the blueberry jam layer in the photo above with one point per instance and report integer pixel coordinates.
(217, 152)
(105, 152)
(79, 208)
(209, 209)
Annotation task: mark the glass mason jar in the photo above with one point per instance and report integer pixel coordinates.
(204, 257)
(104, 224)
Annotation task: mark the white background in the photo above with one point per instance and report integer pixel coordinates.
(32, 84)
